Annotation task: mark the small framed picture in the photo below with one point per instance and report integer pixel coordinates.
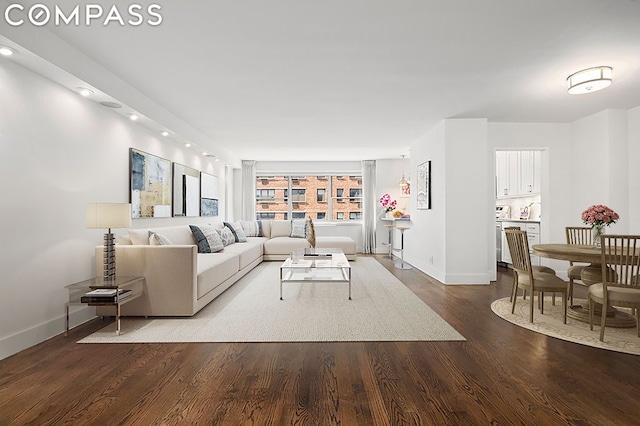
(524, 213)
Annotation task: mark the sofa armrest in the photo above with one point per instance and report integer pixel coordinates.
(170, 278)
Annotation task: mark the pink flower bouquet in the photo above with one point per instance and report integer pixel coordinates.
(387, 204)
(599, 215)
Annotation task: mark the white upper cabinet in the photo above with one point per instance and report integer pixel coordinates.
(517, 173)
(529, 172)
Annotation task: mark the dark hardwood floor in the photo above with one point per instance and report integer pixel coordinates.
(502, 374)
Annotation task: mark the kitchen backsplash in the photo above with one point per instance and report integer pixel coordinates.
(516, 205)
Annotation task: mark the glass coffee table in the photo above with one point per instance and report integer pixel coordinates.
(316, 265)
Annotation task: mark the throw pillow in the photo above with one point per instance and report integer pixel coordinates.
(298, 228)
(156, 239)
(311, 232)
(226, 235)
(252, 228)
(238, 232)
(207, 238)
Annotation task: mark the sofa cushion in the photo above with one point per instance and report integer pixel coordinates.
(280, 228)
(156, 239)
(207, 238)
(214, 269)
(179, 235)
(346, 244)
(298, 228)
(266, 228)
(284, 245)
(248, 252)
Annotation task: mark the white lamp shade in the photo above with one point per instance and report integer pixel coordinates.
(589, 80)
(108, 215)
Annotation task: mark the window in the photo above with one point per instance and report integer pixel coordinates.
(265, 195)
(355, 216)
(355, 195)
(298, 195)
(285, 197)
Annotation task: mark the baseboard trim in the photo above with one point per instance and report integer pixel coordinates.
(25, 339)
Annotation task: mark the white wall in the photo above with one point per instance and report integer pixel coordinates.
(58, 152)
(633, 162)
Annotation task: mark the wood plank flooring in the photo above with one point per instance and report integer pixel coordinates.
(502, 375)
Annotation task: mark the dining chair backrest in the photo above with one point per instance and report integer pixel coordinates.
(519, 249)
(620, 261)
(579, 235)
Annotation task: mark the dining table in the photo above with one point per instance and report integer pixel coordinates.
(591, 274)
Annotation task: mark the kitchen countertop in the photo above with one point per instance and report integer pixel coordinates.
(518, 220)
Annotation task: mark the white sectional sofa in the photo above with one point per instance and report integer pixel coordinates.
(179, 281)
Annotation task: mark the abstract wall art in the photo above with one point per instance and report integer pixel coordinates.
(150, 182)
(208, 195)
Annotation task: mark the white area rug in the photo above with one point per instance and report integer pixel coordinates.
(616, 339)
(382, 309)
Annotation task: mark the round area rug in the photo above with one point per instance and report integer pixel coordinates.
(615, 339)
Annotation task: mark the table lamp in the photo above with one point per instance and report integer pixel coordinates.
(109, 215)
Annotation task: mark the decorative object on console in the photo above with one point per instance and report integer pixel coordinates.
(208, 194)
(599, 216)
(150, 185)
(423, 198)
(590, 80)
(109, 215)
(388, 205)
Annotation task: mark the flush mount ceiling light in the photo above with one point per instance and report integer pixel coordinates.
(6, 51)
(84, 91)
(590, 80)
(187, 144)
(134, 117)
(110, 104)
(165, 133)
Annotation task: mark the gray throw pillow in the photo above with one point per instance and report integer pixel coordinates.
(298, 228)
(252, 228)
(239, 233)
(226, 235)
(207, 238)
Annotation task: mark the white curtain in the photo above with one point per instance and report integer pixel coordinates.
(369, 205)
(248, 190)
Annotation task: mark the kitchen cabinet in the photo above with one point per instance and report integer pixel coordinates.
(517, 173)
(529, 172)
(533, 237)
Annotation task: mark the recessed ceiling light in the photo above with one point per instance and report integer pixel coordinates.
(84, 91)
(217, 159)
(6, 51)
(110, 104)
(134, 117)
(165, 133)
(204, 153)
(187, 144)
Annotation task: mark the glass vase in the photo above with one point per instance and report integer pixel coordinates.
(597, 231)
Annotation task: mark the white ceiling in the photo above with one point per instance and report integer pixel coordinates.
(349, 79)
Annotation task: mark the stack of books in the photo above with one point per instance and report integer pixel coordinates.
(105, 295)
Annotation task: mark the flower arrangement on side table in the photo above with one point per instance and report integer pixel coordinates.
(599, 216)
(388, 205)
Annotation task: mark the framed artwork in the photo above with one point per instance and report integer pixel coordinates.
(423, 196)
(208, 194)
(150, 183)
(186, 191)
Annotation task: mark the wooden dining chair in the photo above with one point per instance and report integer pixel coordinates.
(529, 279)
(538, 268)
(620, 278)
(577, 235)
